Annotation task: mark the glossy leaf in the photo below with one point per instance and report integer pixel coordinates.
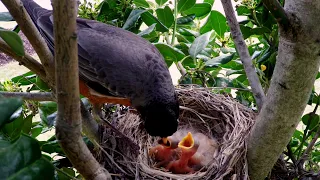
(23, 160)
(6, 16)
(69, 171)
(170, 53)
(147, 31)
(217, 22)
(185, 4)
(209, 1)
(222, 59)
(133, 18)
(185, 19)
(199, 44)
(7, 107)
(13, 40)
(149, 19)
(161, 2)
(199, 10)
(45, 110)
(311, 122)
(165, 16)
(188, 32)
(25, 79)
(141, 3)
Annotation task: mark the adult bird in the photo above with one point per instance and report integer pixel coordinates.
(117, 66)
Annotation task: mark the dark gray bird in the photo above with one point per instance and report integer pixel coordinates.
(117, 66)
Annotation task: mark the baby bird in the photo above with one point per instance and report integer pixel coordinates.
(188, 147)
(164, 152)
(206, 151)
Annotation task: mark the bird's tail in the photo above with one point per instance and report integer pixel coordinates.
(34, 10)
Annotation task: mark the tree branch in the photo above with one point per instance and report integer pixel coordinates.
(39, 96)
(68, 122)
(20, 15)
(290, 87)
(244, 53)
(25, 60)
(278, 12)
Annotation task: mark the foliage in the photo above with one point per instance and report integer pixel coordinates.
(184, 31)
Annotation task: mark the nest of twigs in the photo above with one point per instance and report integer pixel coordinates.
(218, 116)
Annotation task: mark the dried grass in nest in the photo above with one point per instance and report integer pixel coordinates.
(222, 117)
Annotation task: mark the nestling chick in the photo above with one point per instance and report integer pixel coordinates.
(188, 147)
(205, 153)
(164, 152)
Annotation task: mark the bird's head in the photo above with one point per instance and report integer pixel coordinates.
(160, 119)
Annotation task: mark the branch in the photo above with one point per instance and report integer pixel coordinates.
(244, 53)
(289, 90)
(39, 96)
(311, 144)
(278, 12)
(25, 60)
(68, 122)
(20, 15)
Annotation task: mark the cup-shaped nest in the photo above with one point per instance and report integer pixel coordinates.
(216, 116)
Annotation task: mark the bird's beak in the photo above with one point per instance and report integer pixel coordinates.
(187, 142)
(168, 142)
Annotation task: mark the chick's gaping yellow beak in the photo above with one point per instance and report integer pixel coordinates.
(187, 142)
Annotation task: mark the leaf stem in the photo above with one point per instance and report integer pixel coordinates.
(175, 11)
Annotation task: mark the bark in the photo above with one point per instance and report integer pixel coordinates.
(243, 53)
(293, 78)
(68, 123)
(20, 15)
(37, 96)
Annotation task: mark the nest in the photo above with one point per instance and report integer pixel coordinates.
(216, 115)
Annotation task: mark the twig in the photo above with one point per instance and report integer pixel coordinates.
(278, 12)
(244, 53)
(313, 141)
(25, 60)
(68, 122)
(299, 149)
(37, 96)
(20, 15)
(178, 64)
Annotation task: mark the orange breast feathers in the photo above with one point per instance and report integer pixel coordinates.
(97, 98)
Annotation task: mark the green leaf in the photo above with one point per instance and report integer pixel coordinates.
(170, 53)
(45, 110)
(25, 79)
(209, 1)
(13, 40)
(222, 59)
(8, 107)
(314, 120)
(149, 19)
(6, 16)
(133, 18)
(199, 44)
(23, 160)
(161, 2)
(185, 4)
(165, 16)
(188, 32)
(141, 3)
(243, 11)
(199, 10)
(147, 31)
(69, 171)
(36, 131)
(186, 19)
(14, 128)
(27, 124)
(217, 22)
